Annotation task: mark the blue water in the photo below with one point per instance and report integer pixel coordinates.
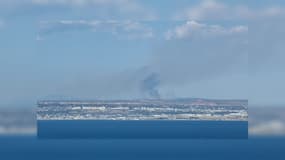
(156, 129)
(31, 148)
(34, 148)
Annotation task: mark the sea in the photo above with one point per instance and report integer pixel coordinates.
(143, 129)
(52, 147)
(33, 148)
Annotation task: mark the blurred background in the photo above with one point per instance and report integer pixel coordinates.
(124, 49)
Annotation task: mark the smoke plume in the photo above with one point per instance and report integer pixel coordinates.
(150, 84)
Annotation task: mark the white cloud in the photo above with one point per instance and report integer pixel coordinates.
(194, 28)
(206, 9)
(121, 29)
(216, 10)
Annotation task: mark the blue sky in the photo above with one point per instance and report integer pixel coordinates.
(121, 49)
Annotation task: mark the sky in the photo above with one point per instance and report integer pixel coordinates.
(130, 49)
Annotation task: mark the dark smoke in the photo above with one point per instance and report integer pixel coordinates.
(150, 84)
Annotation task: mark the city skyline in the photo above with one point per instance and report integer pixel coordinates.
(175, 109)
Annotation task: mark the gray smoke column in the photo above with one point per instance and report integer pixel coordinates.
(150, 84)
